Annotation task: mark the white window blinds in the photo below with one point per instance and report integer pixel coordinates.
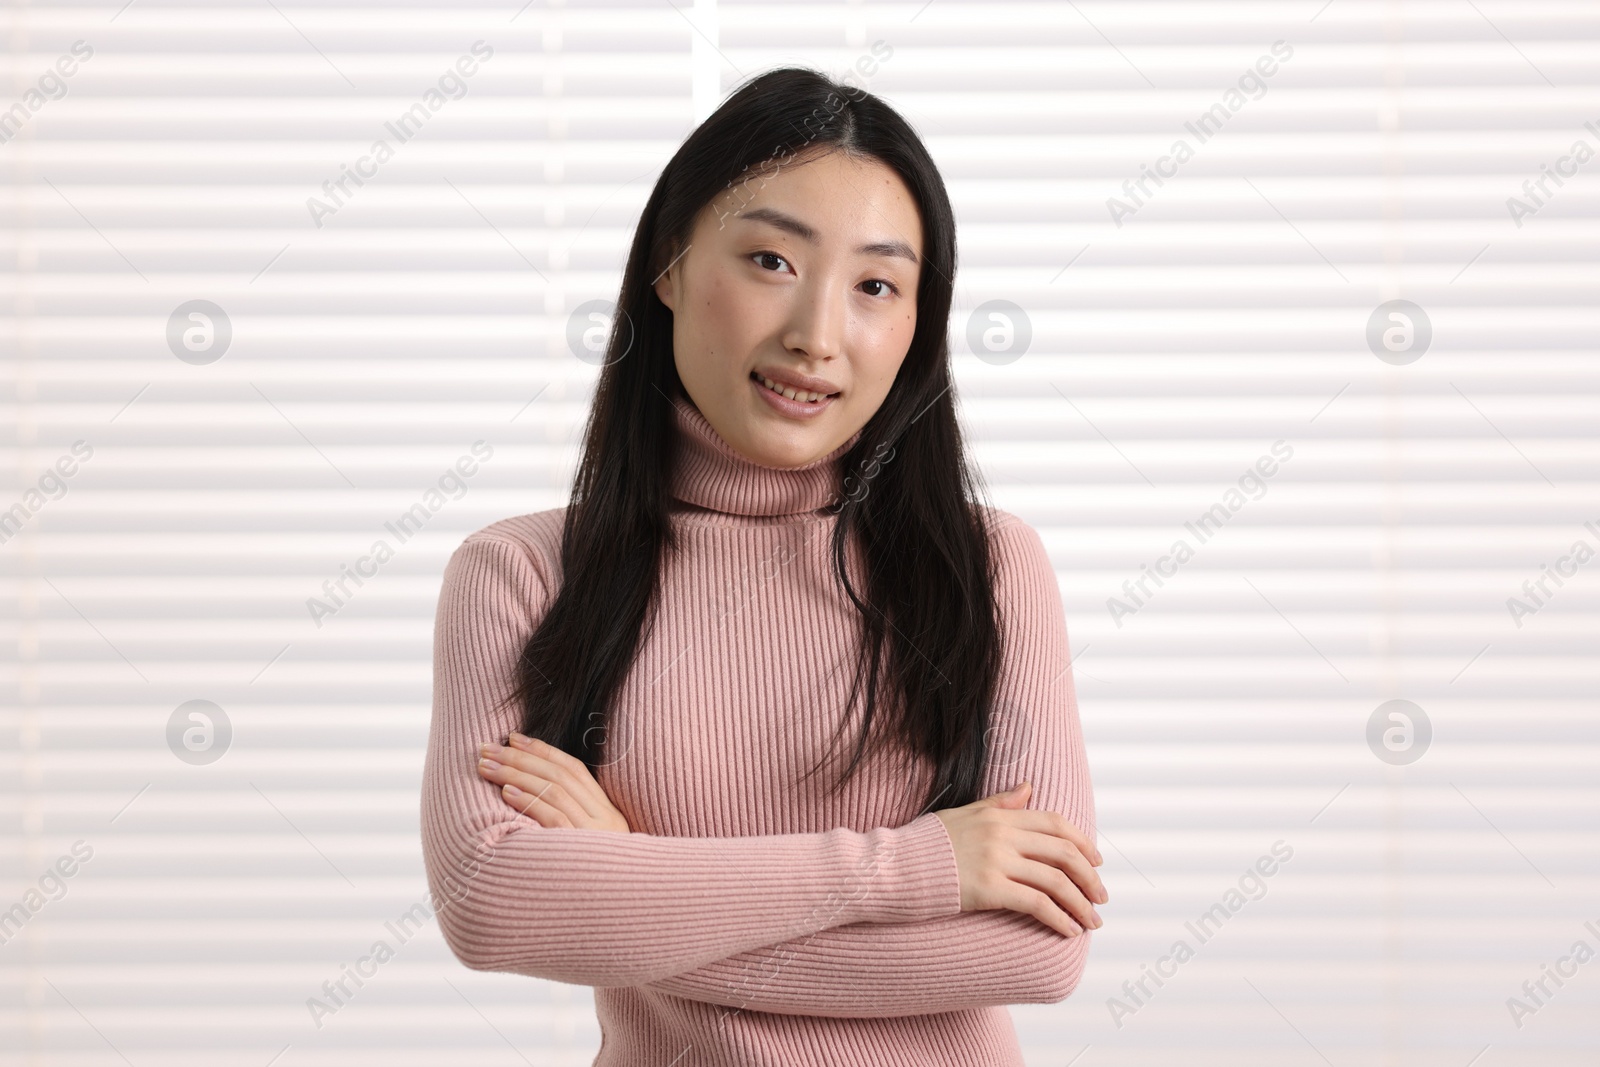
(1276, 319)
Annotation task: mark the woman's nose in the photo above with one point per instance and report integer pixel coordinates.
(816, 323)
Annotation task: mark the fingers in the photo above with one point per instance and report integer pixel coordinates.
(1019, 794)
(536, 777)
(545, 814)
(1067, 858)
(549, 763)
(557, 756)
(1052, 829)
(1034, 902)
(570, 771)
(1064, 895)
(1057, 825)
(1043, 891)
(1056, 859)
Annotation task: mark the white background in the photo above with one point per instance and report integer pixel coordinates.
(1167, 354)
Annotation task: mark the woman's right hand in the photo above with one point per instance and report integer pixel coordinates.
(1035, 862)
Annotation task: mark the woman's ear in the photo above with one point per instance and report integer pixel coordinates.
(666, 285)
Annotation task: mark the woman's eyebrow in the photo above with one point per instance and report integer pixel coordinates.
(790, 224)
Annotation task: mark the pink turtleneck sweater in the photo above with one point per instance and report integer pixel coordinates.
(749, 918)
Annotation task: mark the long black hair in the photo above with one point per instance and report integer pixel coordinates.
(908, 504)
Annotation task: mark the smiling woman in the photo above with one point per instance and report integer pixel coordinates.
(786, 332)
(639, 753)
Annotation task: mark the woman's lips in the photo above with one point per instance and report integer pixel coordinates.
(795, 409)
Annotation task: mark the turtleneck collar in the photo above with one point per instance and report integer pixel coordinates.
(709, 473)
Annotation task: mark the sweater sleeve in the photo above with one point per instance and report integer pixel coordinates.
(599, 908)
(971, 959)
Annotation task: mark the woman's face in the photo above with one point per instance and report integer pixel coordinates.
(808, 270)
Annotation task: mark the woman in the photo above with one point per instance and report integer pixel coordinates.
(634, 775)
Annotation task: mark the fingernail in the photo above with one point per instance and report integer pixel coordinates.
(488, 765)
(511, 790)
(520, 739)
(1098, 922)
(489, 748)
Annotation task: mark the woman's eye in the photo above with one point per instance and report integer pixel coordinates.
(771, 261)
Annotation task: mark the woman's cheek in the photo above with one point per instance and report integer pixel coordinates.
(887, 343)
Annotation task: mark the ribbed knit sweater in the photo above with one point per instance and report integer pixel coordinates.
(750, 917)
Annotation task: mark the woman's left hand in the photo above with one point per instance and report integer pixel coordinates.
(550, 786)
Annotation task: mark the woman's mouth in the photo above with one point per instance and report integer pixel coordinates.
(795, 403)
(792, 394)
